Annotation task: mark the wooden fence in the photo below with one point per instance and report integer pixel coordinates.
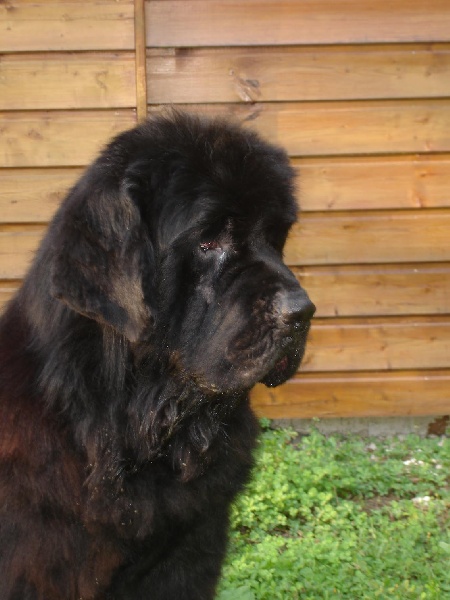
(359, 94)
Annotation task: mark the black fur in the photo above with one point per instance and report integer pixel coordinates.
(156, 301)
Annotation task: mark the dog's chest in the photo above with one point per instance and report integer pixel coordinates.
(159, 496)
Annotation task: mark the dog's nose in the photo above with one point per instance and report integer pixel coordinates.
(296, 307)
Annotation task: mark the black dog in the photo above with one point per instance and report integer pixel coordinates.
(156, 301)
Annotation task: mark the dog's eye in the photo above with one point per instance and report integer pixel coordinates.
(207, 246)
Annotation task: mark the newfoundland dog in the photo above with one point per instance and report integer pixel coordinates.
(157, 299)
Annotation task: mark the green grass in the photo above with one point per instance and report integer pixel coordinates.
(330, 518)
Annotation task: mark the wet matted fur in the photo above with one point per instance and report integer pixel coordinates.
(156, 301)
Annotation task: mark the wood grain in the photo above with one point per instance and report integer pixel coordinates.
(328, 239)
(267, 74)
(376, 290)
(370, 237)
(357, 395)
(73, 81)
(57, 138)
(39, 26)
(363, 183)
(7, 290)
(140, 59)
(191, 23)
(378, 344)
(336, 128)
(33, 195)
(359, 91)
(363, 291)
(17, 248)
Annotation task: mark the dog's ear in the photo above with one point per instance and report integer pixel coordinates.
(102, 253)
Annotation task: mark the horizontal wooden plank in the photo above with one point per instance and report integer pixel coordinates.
(357, 395)
(58, 138)
(7, 290)
(17, 248)
(370, 237)
(420, 181)
(378, 344)
(336, 128)
(32, 195)
(53, 81)
(42, 25)
(371, 291)
(196, 75)
(364, 291)
(321, 239)
(419, 289)
(269, 22)
(47, 139)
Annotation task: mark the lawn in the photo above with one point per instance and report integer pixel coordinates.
(334, 517)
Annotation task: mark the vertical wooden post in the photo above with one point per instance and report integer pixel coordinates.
(140, 59)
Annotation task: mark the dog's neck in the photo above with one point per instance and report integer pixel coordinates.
(170, 422)
(128, 405)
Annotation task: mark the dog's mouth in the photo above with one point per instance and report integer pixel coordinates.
(282, 364)
(279, 373)
(272, 360)
(288, 360)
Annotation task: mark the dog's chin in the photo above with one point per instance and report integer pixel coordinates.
(284, 367)
(283, 370)
(234, 378)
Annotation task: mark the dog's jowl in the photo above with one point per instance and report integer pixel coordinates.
(156, 301)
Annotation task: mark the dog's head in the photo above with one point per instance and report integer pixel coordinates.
(174, 238)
